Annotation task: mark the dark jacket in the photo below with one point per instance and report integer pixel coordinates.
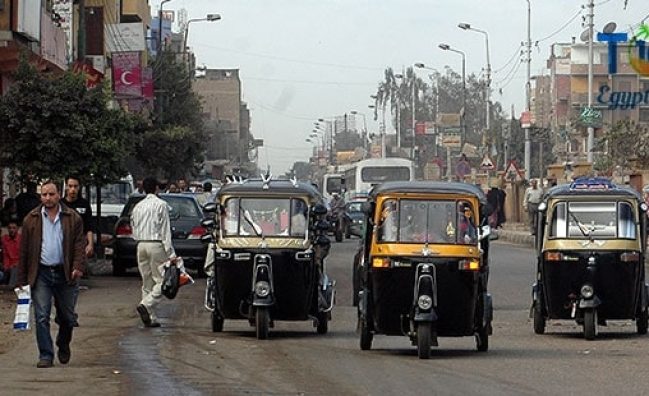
(74, 241)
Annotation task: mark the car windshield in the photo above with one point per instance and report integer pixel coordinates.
(424, 221)
(276, 217)
(583, 220)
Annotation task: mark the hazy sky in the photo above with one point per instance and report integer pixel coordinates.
(301, 60)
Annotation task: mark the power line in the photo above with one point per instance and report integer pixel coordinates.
(565, 25)
(508, 61)
(302, 61)
(345, 83)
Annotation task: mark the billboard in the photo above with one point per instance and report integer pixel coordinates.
(127, 74)
(446, 120)
(124, 37)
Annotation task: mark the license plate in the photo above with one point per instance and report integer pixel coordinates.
(108, 251)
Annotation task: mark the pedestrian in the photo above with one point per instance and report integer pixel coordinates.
(74, 200)
(462, 168)
(208, 192)
(26, 201)
(502, 198)
(173, 188)
(11, 252)
(152, 231)
(531, 201)
(182, 185)
(52, 260)
(9, 212)
(493, 200)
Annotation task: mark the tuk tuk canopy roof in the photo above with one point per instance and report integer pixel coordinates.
(581, 189)
(434, 187)
(270, 187)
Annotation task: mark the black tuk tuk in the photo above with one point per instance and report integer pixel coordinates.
(591, 244)
(266, 261)
(423, 265)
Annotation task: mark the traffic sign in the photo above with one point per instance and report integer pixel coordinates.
(512, 173)
(487, 163)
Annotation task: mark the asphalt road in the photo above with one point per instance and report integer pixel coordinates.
(113, 352)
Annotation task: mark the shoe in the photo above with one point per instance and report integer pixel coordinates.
(153, 324)
(44, 363)
(144, 315)
(64, 354)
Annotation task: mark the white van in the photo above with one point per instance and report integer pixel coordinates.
(113, 199)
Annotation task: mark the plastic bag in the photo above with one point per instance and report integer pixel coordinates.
(173, 277)
(24, 302)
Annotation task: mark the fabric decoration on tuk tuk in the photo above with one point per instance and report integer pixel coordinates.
(24, 302)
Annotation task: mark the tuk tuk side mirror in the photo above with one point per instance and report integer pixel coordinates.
(208, 223)
(209, 207)
(485, 231)
(319, 210)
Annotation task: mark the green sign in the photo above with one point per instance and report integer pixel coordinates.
(590, 117)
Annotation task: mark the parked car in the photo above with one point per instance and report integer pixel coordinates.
(185, 213)
(353, 219)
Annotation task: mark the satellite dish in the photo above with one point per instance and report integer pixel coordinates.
(585, 36)
(609, 27)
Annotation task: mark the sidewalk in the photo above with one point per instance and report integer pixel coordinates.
(517, 233)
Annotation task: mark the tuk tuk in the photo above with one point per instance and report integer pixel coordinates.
(423, 264)
(266, 257)
(591, 243)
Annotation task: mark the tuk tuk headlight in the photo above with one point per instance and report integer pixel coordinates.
(262, 289)
(425, 302)
(587, 291)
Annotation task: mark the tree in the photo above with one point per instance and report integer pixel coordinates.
(176, 142)
(624, 142)
(60, 127)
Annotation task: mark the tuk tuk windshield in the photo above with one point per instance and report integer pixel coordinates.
(427, 221)
(270, 217)
(593, 219)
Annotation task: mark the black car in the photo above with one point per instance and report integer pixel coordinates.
(353, 219)
(185, 214)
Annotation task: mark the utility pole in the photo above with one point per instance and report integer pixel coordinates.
(591, 130)
(528, 87)
(414, 119)
(81, 32)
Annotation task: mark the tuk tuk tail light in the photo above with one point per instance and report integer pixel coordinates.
(381, 262)
(553, 256)
(469, 265)
(630, 257)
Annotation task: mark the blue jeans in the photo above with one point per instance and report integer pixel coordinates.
(51, 283)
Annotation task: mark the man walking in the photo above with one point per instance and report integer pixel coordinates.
(531, 201)
(11, 252)
(52, 260)
(74, 200)
(152, 231)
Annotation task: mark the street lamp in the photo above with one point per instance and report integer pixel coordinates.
(207, 18)
(159, 49)
(365, 140)
(447, 47)
(466, 26)
(437, 74)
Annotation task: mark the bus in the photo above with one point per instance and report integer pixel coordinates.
(362, 175)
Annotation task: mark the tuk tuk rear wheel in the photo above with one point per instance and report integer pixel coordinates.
(262, 322)
(642, 322)
(539, 319)
(217, 323)
(590, 324)
(366, 337)
(424, 340)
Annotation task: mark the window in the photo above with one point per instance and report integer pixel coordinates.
(421, 221)
(334, 185)
(381, 174)
(274, 217)
(593, 219)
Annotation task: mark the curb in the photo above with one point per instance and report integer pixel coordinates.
(516, 237)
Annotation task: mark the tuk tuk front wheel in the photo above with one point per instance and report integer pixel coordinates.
(482, 339)
(366, 337)
(424, 340)
(262, 320)
(590, 324)
(217, 322)
(539, 319)
(642, 322)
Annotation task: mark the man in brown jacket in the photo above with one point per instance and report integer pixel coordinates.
(52, 260)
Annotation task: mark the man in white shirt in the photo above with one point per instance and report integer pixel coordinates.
(531, 201)
(152, 231)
